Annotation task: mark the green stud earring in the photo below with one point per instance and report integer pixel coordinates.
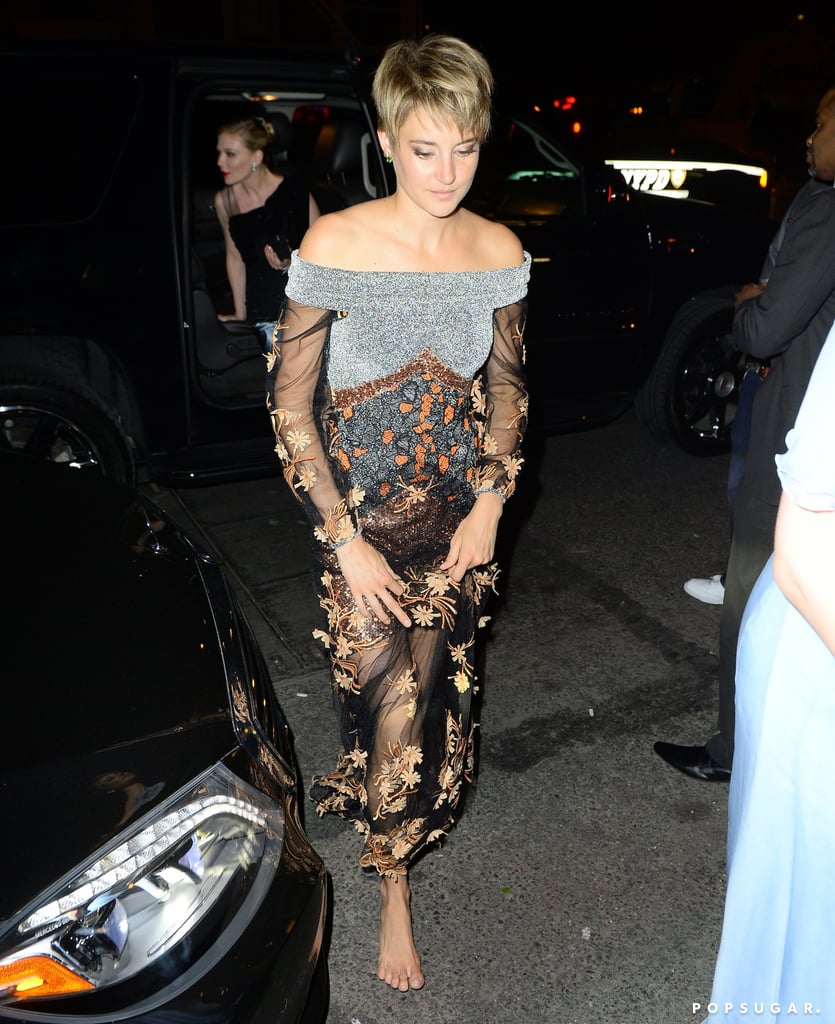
(388, 158)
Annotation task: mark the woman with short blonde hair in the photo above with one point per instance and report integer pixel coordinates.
(398, 400)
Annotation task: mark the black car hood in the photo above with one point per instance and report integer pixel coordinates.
(705, 216)
(114, 687)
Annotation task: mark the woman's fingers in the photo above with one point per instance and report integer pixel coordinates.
(374, 586)
(383, 603)
(459, 559)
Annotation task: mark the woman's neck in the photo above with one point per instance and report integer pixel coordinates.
(256, 188)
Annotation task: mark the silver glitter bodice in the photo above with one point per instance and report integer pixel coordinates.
(393, 315)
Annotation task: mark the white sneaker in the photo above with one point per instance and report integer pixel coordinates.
(710, 591)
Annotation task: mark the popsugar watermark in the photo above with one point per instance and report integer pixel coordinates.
(756, 1008)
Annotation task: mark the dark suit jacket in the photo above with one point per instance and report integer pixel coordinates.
(788, 324)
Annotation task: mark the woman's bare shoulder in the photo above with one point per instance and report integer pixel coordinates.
(494, 245)
(334, 238)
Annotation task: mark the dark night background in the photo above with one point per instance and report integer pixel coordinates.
(647, 77)
(707, 77)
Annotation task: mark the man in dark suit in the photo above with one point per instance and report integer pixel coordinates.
(782, 322)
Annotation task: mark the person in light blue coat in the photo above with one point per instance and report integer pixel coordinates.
(775, 956)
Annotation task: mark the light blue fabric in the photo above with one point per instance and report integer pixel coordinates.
(266, 327)
(776, 960)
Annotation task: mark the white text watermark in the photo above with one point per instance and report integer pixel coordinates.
(756, 1008)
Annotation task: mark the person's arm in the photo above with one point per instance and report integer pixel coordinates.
(235, 266)
(753, 290)
(500, 401)
(501, 404)
(801, 280)
(804, 564)
(294, 370)
(236, 272)
(804, 538)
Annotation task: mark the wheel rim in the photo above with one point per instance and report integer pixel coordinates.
(708, 392)
(45, 434)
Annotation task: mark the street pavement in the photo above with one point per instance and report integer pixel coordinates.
(584, 883)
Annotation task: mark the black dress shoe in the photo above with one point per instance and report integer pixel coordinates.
(693, 761)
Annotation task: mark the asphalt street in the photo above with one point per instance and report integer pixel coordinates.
(584, 883)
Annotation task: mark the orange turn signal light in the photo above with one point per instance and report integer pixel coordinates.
(40, 976)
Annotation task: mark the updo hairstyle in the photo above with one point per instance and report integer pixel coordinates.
(255, 132)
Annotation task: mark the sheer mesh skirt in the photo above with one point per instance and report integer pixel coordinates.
(405, 702)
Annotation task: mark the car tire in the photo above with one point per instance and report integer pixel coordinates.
(62, 424)
(692, 391)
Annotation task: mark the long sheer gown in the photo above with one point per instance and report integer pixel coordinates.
(396, 398)
(775, 959)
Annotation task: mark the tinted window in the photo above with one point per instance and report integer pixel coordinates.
(66, 135)
(523, 173)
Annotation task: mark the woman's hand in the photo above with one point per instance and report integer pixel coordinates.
(274, 260)
(474, 542)
(374, 586)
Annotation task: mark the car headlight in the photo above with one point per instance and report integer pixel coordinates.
(180, 884)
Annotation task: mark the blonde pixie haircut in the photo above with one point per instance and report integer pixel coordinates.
(443, 75)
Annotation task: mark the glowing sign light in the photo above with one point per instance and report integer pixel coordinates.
(669, 177)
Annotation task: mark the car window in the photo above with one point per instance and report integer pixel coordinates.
(524, 173)
(84, 121)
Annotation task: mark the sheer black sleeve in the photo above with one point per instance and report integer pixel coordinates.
(296, 398)
(500, 399)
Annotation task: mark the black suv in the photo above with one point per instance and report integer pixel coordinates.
(113, 270)
(112, 266)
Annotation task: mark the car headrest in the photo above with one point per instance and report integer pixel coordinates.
(338, 150)
(283, 133)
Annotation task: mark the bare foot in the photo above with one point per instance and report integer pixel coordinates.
(399, 963)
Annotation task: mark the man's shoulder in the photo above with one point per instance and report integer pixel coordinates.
(813, 191)
(813, 207)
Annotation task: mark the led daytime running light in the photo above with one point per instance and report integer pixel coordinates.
(126, 860)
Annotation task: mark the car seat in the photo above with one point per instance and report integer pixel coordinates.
(229, 354)
(340, 165)
(283, 138)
